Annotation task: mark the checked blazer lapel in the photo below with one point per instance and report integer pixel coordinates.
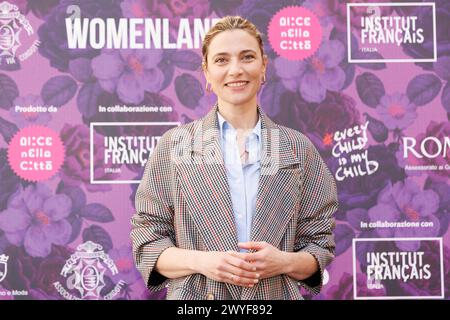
(207, 194)
(278, 182)
(278, 192)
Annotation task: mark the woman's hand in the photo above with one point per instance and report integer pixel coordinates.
(268, 260)
(229, 267)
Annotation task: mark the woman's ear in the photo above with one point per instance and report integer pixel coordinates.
(265, 62)
(205, 71)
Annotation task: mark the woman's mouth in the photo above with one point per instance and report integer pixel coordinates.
(237, 84)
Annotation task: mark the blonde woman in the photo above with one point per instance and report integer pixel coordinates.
(233, 205)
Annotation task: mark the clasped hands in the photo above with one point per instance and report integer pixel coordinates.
(245, 268)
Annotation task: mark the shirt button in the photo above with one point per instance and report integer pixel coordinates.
(209, 296)
(240, 216)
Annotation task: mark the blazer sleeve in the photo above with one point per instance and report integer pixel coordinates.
(152, 224)
(318, 202)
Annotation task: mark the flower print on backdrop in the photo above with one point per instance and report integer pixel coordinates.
(173, 10)
(335, 12)
(424, 50)
(362, 191)
(318, 121)
(422, 287)
(83, 213)
(36, 275)
(405, 201)
(317, 74)
(53, 36)
(36, 219)
(396, 111)
(123, 258)
(39, 8)
(24, 119)
(442, 188)
(76, 168)
(9, 180)
(129, 73)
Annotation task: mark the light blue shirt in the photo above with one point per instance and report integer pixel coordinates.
(243, 179)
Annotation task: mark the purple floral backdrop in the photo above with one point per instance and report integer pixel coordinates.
(41, 224)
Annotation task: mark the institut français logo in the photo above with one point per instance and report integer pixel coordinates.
(12, 24)
(3, 266)
(377, 30)
(85, 274)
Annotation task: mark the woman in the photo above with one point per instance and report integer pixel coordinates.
(234, 206)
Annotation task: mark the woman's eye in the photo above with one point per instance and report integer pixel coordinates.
(220, 60)
(249, 57)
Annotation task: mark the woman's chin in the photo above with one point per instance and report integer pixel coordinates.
(239, 100)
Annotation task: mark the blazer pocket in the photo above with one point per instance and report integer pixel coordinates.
(291, 166)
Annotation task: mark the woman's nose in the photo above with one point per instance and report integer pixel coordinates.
(235, 68)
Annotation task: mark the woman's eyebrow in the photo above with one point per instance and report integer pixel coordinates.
(227, 53)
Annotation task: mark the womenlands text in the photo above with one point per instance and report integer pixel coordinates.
(135, 33)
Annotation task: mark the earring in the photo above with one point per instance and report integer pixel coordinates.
(263, 79)
(208, 89)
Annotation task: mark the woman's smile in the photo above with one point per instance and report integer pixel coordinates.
(237, 85)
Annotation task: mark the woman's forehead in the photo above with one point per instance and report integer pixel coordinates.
(233, 41)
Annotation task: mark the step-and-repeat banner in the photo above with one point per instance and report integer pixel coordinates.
(87, 88)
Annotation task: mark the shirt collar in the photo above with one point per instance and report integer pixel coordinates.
(224, 125)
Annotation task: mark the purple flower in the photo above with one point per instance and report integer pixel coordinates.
(123, 258)
(396, 111)
(53, 36)
(442, 188)
(35, 218)
(337, 112)
(129, 73)
(425, 50)
(318, 121)
(314, 76)
(76, 167)
(344, 290)
(405, 201)
(24, 119)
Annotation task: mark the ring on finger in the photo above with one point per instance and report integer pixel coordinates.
(232, 277)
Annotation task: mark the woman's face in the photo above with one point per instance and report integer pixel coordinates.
(235, 67)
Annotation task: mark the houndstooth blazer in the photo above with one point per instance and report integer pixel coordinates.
(184, 200)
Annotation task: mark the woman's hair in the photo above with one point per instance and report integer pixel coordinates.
(230, 23)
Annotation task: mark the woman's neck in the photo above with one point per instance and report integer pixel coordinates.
(243, 116)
